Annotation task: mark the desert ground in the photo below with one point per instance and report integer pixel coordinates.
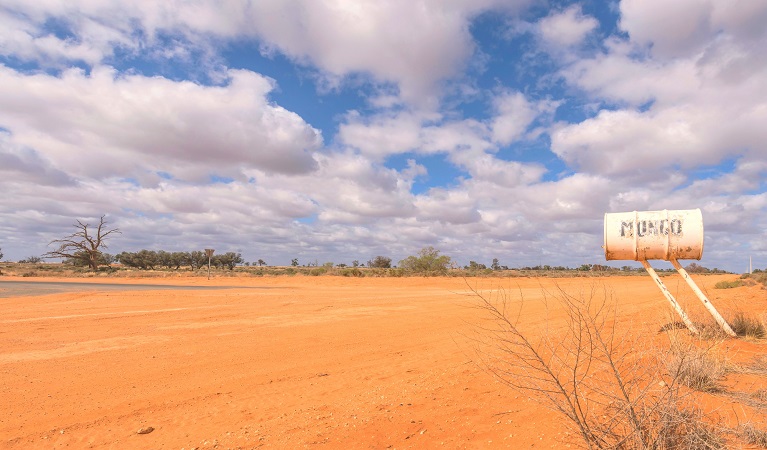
(294, 362)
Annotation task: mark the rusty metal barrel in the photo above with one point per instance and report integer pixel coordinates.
(645, 235)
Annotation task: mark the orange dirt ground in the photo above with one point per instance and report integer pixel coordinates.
(290, 362)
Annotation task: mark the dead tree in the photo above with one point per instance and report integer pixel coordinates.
(85, 245)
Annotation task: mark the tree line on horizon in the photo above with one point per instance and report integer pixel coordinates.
(85, 247)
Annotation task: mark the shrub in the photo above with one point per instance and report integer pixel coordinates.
(380, 262)
(428, 262)
(747, 326)
(729, 284)
(759, 277)
(589, 371)
(353, 272)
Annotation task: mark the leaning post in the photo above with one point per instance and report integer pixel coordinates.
(702, 297)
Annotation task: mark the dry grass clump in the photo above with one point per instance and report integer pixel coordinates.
(760, 363)
(671, 426)
(695, 367)
(752, 434)
(686, 429)
(758, 399)
(746, 326)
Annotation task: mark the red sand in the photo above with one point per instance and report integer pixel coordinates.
(340, 362)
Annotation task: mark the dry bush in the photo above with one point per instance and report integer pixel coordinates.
(593, 372)
(752, 434)
(759, 277)
(746, 326)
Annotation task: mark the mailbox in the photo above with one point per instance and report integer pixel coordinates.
(668, 235)
(645, 235)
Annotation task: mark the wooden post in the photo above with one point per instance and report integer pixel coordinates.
(709, 306)
(670, 297)
(209, 253)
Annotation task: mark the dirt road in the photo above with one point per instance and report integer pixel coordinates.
(327, 361)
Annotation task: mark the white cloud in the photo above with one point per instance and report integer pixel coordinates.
(154, 124)
(414, 45)
(390, 133)
(622, 142)
(673, 28)
(697, 100)
(686, 27)
(24, 165)
(448, 206)
(352, 189)
(566, 28)
(381, 135)
(514, 115)
(673, 97)
(91, 40)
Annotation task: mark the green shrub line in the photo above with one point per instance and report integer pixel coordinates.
(118, 270)
(729, 284)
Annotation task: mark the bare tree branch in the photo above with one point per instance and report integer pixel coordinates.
(83, 245)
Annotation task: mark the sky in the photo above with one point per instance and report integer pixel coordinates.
(339, 130)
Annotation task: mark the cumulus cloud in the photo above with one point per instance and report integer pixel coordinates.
(687, 27)
(566, 28)
(684, 27)
(24, 165)
(514, 114)
(414, 45)
(697, 101)
(29, 40)
(390, 133)
(183, 164)
(154, 124)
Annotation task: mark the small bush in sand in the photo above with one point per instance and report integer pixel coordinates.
(595, 373)
(746, 326)
(729, 284)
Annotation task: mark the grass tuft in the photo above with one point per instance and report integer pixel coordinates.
(695, 368)
(746, 326)
(753, 435)
(685, 429)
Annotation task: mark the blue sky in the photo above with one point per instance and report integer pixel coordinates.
(339, 131)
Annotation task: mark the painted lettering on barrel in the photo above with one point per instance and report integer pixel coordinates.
(651, 228)
(627, 229)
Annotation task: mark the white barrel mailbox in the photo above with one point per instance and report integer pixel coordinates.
(669, 235)
(645, 235)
